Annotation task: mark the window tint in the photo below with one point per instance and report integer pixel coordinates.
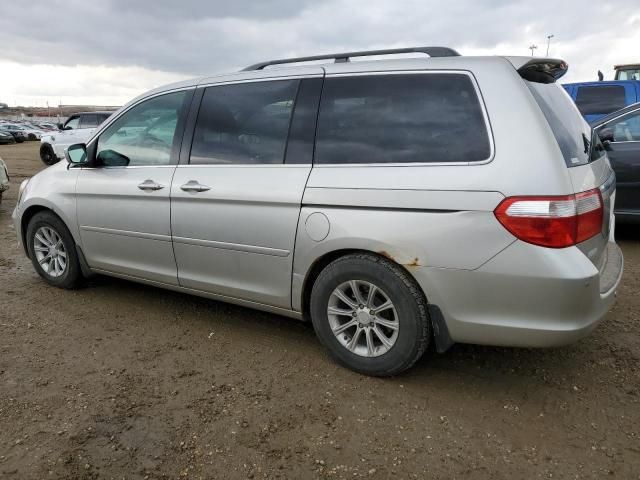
(600, 99)
(89, 120)
(245, 123)
(569, 128)
(627, 128)
(401, 118)
(72, 123)
(145, 135)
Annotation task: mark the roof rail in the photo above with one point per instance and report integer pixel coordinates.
(344, 57)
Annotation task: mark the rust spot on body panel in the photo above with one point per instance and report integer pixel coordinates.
(413, 263)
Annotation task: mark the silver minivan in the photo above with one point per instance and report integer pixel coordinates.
(396, 203)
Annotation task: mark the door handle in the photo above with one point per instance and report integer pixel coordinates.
(150, 185)
(194, 186)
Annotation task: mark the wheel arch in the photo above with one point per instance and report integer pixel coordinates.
(27, 215)
(321, 263)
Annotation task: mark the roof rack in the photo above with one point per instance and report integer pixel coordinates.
(344, 57)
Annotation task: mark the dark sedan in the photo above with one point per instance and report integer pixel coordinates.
(18, 135)
(6, 138)
(620, 134)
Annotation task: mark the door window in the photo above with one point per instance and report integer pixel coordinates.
(627, 128)
(72, 123)
(245, 123)
(401, 118)
(144, 135)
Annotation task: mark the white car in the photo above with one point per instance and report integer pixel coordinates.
(77, 129)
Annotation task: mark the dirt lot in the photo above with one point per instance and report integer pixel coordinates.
(119, 380)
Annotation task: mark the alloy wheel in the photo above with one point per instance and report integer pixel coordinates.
(363, 318)
(50, 251)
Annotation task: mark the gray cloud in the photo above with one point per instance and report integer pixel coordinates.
(201, 36)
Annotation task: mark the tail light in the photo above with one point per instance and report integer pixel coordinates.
(555, 222)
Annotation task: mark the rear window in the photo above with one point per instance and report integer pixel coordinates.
(600, 99)
(401, 118)
(572, 132)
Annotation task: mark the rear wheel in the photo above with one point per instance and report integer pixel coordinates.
(52, 251)
(47, 155)
(370, 314)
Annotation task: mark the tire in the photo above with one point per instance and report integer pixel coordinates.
(408, 314)
(71, 275)
(47, 155)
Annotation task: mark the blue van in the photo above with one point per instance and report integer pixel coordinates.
(597, 99)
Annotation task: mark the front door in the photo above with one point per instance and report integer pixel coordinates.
(235, 205)
(123, 201)
(624, 153)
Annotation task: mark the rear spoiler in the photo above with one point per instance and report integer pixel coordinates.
(543, 70)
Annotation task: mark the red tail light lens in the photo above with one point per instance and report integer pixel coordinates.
(555, 222)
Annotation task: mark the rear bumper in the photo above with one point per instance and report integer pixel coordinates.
(525, 296)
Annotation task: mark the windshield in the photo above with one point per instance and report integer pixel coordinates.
(570, 129)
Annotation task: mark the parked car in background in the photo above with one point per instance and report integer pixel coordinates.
(40, 126)
(394, 203)
(18, 134)
(4, 178)
(620, 134)
(52, 127)
(6, 138)
(597, 99)
(77, 128)
(629, 71)
(29, 132)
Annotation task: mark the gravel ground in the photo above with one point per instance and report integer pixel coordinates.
(120, 380)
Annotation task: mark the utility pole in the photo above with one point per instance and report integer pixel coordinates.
(549, 37)
(532, 47)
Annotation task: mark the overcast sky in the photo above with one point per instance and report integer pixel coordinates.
(106, 52)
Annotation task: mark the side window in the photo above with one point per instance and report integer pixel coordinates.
(89, 120)
(72, 123)
(246, 123)
(401, 118)
(600, 99)
(144, 135)
(626, 129)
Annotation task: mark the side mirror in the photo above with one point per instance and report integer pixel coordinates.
(59, 125)
(76, 154)
(606, 135)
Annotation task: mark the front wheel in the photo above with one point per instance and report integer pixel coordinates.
(47, 155)
(370, 315)
(52, 251)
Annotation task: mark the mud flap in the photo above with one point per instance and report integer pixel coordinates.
(84, 266)
(440, 331)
